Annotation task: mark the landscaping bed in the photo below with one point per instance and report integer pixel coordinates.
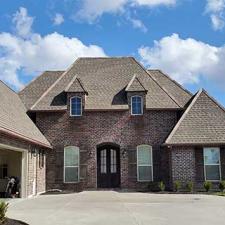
(13, 222)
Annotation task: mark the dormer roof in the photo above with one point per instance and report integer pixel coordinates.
(105, 79)
(135, 85)
(75, 85)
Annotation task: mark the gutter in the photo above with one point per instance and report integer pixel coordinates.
(17, 135)
(193, 144)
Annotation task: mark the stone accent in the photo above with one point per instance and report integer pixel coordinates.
(183, 164)
(96, 127)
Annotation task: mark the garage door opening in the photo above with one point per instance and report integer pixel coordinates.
(12, 164)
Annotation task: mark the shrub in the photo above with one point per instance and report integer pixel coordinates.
(177, 185)
(3, 210)
(207, 185)
(162, 186)
(190, 186)
(153, 186)
(222, 185)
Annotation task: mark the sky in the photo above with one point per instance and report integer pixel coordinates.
(183, 38)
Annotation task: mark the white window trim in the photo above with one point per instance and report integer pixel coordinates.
(133, 114)
(211, 164)
(138, 179)
(81, 112)
(64, 167)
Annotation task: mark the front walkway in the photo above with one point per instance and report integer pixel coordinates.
(114, 208)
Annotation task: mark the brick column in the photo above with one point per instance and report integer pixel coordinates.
(183, 164)
(124, 168)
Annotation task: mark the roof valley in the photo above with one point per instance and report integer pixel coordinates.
(164, 89)
(52, 86)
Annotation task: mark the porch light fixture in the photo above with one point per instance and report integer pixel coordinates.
(124, 152)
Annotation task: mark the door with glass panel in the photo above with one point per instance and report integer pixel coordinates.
(108, 167)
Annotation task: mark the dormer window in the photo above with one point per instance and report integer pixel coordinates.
(136, 105)
(76, 106)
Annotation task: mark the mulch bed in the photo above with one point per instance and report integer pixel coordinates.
(13, 222)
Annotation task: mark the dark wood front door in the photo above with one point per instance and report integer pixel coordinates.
(108, 167)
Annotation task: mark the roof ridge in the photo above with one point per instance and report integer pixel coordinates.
(72, 82)
(8, 87)
(45, 93)
(112, 57)
(155, 81)
(174, 81)
(82, 85)
(131, 82)
(184, 115)
(170, 95)
(35, 78)
(213, 99)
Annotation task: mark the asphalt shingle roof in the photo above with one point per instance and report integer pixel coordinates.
(75, 85)
(135, 85)
(105, 80)
(203, 122)
(176, 91)
(14, 120)
(34, 90)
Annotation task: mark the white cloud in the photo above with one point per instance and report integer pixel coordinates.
(215, 5)
(218, 21)
(216, 9)
(138, 24)
(23, 22)
(186, 60)
(152, 3)
(93, 9)
(58, 19)
(34, 53)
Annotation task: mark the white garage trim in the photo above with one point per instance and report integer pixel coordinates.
(24, 166)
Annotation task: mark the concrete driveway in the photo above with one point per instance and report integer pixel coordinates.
(110, 208)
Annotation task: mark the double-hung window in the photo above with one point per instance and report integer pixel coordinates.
(76, 106)
(136, 105)
(71, 164)
(212, 164)
(144, 163)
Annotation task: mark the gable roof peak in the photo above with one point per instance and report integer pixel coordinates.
(203, 122)
(75, 85)
(135, 85)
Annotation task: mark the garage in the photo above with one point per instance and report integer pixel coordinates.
(13, 164)
(22, 149)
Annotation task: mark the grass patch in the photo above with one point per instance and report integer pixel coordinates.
(219, 193)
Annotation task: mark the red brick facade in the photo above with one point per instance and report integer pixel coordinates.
(94, 128)
(187, 164)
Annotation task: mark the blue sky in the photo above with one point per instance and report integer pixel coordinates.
(184, 38)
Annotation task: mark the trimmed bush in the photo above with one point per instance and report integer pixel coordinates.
(222, 185)
(153, 186)
(207, 185)
(3, 210)
(177, 185)
(190, 186)
(162, 186)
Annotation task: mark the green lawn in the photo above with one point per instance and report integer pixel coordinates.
(219, 193)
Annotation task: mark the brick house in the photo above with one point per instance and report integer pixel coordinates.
(22, 146)
(114, 124)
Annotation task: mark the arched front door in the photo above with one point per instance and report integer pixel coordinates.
(108, 166)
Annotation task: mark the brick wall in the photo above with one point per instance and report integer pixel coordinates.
(33, 169)
(94, 128)
(199, 164)
(182, 164)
